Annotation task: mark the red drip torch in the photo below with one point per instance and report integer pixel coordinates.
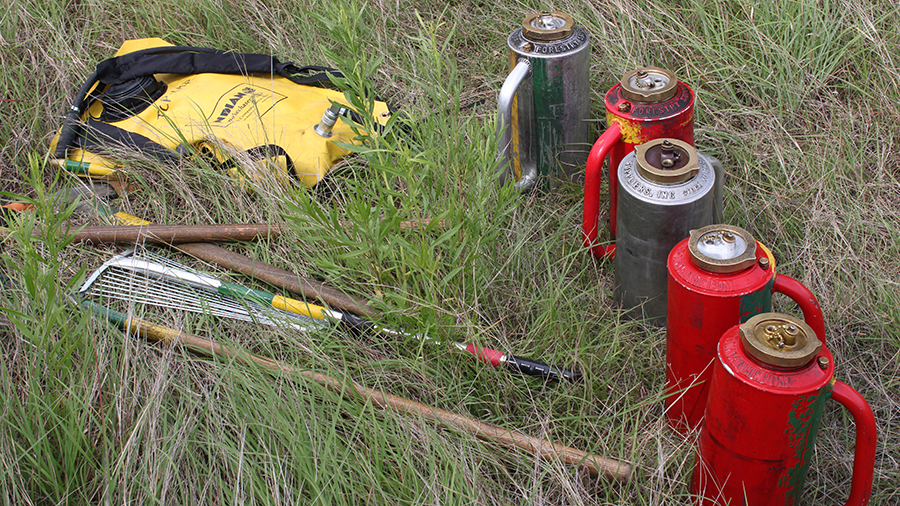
(766, 398)
(718, 277)
(649, 103)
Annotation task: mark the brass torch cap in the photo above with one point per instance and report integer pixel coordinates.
(667, 161)
(649, 84)
(547, 26)
(780, 340)
(722, 248)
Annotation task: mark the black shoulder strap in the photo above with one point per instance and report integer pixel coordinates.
(201, 60)
(99, 136)
(264, 152)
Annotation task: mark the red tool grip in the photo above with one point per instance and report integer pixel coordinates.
(488, 355)
(592, 180)
(812, 313)
(866, 442)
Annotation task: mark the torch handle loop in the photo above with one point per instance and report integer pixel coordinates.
(505, 126)
(866, 442)
(809, 305)
(718, 189)
(593, 176)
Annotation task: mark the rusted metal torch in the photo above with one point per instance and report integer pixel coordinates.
(766, 399)
(718, 277)
(545, 102)
(649, 103)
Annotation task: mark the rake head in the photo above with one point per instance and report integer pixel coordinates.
(148, 278)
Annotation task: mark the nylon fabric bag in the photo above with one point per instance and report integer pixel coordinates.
(162, 100)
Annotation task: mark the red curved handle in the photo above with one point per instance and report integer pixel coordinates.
(592, 181)
(866, 441)
(812, 313)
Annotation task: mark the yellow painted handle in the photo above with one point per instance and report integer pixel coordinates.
(298, 307)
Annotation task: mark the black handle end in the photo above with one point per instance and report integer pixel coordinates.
(540, 369)
(355, 325)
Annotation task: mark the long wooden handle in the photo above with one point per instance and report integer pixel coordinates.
(595, 465)
(277, 277)
(176, 234)
(179, 234)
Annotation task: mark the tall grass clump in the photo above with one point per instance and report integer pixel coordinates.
(52, 428)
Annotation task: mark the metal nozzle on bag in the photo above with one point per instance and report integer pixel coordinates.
(328, 120)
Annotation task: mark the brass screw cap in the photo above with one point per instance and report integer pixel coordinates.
(547, 26)
(667, 161)
(780, 340)
(649, 84)
(722, 248)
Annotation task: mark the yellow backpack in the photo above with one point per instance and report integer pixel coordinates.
(161, 100)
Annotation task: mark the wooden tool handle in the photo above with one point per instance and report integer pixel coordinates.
(595, 465)
(175, 234)
(277, 277)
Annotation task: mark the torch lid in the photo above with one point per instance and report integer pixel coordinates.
(722, 248)
(779, 340)
(547, 26)
(649, 84)
(667, 161)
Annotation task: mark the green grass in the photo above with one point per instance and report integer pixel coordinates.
(800, 100)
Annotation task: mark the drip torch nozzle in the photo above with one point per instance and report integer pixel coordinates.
(328, 120)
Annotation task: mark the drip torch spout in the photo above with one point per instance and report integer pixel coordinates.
(328, 120)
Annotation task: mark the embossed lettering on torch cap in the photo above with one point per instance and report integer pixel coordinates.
(546, 26)
(649, 84)
(722, 248)
(668, 161)
(780, 340)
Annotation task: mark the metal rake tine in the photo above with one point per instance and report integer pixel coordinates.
(159, 298)
(142, 286)
(103, 268)
(131, 283)
(211, 309)
(146, 254)
(118, 281)
(175, 271)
